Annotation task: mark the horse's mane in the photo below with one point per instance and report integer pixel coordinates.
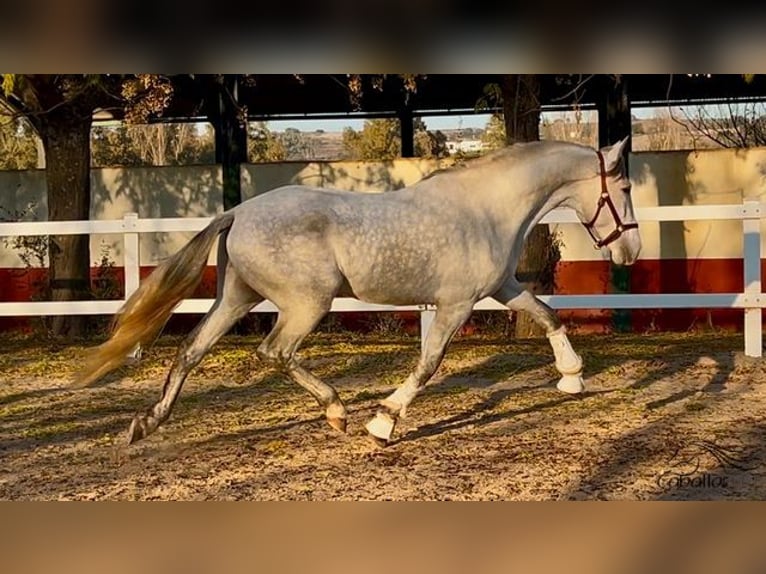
(517, 150)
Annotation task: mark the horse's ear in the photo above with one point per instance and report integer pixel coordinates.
(614, 153)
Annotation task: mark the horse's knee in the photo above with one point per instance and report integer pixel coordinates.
(270, 356)
(263, 352)
(189, 356)
(194, 356)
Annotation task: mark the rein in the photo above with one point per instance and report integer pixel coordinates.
(605, 199)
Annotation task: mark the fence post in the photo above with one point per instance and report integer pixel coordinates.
(751, 227)
(426, 318)
(131, 261)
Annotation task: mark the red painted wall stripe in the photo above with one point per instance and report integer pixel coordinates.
(572, 278)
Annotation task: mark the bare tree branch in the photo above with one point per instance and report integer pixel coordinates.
(729, 126)
(573, 92)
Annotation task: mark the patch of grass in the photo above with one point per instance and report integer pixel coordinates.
(230, 356)
(365, 395)
(276, 446)
(359, 364)
(48, 431)
(387, 324)
(695, 406)
(449, 389)
(49, 365)
(392, 379)
(14, 409)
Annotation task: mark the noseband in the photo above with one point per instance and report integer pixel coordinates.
(605, 199)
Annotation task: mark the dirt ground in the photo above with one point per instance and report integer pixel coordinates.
(665, 416)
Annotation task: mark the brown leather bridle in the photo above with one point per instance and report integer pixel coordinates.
(605, 199)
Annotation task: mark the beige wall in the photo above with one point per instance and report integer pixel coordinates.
(193, 191)
(150, 192)
(348, 175)
(659, 178)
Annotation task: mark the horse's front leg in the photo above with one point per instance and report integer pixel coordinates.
(447, 320)
(568, 363)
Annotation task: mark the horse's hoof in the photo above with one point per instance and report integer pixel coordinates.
(381, 427)
(141, 427)
(137, 430)
(571, 384)
(378, 442)
(337, 423)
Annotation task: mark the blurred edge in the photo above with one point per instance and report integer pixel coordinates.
(320, 537)
(419, 36)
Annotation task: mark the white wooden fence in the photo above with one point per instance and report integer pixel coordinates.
(751, 300)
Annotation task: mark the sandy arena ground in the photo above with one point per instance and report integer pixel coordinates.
(669, 416)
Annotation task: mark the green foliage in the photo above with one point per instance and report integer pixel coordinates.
(32, 250)
(106, 283)
(111, 146)
(145, 95)
(154, 144)
(18, 144)
(429, 144)
(296, 145)
(381, 139)
(378, 140)
(386, 324)
(491, 98)
(9, 82)
(494, 133)
(263, 145)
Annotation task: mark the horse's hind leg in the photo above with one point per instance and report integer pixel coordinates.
(234, 301)
(279, 348)
(447, 321)
(568, 363)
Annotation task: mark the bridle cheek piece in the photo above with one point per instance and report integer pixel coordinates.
(605, 199)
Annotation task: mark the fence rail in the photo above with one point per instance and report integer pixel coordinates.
(752, 300)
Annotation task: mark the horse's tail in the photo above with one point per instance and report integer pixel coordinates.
(147, 310)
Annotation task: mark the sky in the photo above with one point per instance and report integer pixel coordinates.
(432, 122)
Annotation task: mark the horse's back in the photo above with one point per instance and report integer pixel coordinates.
(386, 247)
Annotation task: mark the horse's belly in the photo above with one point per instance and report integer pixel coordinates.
(390, 288)
(427, 280)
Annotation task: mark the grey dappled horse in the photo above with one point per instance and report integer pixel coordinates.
(449, 240)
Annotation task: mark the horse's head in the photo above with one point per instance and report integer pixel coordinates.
(605, 208)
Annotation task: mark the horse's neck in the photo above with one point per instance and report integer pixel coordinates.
(520, 193)
(514, 191)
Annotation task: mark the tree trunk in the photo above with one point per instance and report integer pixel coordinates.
(230, 131)
(230, 136)
(65, 134)
(536, 268)
(521, 107)
(615, 123)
